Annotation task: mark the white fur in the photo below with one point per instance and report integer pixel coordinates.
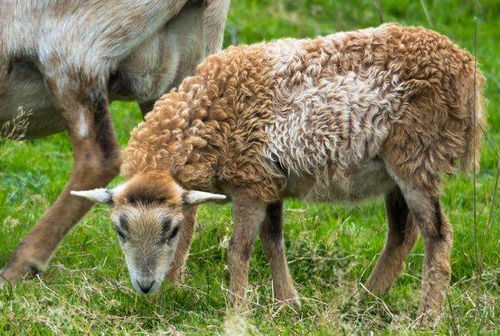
(329, 128)
(196, 197)
(83, 127)
(100, 195)
(164, 42)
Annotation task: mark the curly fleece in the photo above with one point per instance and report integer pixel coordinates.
(252, 116)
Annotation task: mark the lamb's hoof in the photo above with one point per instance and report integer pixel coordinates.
(427, 319)
(176, 278)
(176, 281)
(376, 288)
(293, 302)
(3, 282)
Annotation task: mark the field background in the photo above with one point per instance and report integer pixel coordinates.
(331, 249)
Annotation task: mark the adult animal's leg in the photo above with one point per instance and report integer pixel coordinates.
(84, 107)
(146, 108)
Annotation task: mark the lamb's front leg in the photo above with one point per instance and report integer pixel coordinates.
(177, 267)
(271, 238)
(248, 213)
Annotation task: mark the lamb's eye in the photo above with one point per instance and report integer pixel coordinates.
(174, 233)
(120, 234)
(165, 224)
(124, 221)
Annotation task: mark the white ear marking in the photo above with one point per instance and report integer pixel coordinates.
(101, 195)
(193, 197)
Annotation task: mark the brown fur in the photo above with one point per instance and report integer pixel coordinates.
(149, 188)
(190, 131)
(177, 267)
(96, 162)
(343, 117)
(248, 213)
(271, 237)
(401, 238)
(215, 121)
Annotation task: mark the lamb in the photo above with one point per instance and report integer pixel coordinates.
(60, 64)
(379, 111)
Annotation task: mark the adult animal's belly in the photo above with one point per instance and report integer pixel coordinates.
(26, 108)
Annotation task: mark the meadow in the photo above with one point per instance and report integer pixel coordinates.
(331, 248)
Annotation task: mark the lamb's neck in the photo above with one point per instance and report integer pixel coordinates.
(177, 137)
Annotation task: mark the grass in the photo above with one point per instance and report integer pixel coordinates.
(331, 248)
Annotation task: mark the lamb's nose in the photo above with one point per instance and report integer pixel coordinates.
(145, 285)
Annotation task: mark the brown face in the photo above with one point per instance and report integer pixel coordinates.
(148, 212)
(148, 235)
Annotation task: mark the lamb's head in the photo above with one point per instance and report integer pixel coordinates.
(148, 214)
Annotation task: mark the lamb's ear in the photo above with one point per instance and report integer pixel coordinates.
(193, 197)
(100, 195)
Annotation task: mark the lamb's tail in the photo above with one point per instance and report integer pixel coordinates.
(477, 109)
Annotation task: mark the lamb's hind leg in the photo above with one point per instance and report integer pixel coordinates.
(401, 238)
(437, 233)
(96, 162)
(271, 237)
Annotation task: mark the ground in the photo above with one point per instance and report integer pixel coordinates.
(331, 248)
